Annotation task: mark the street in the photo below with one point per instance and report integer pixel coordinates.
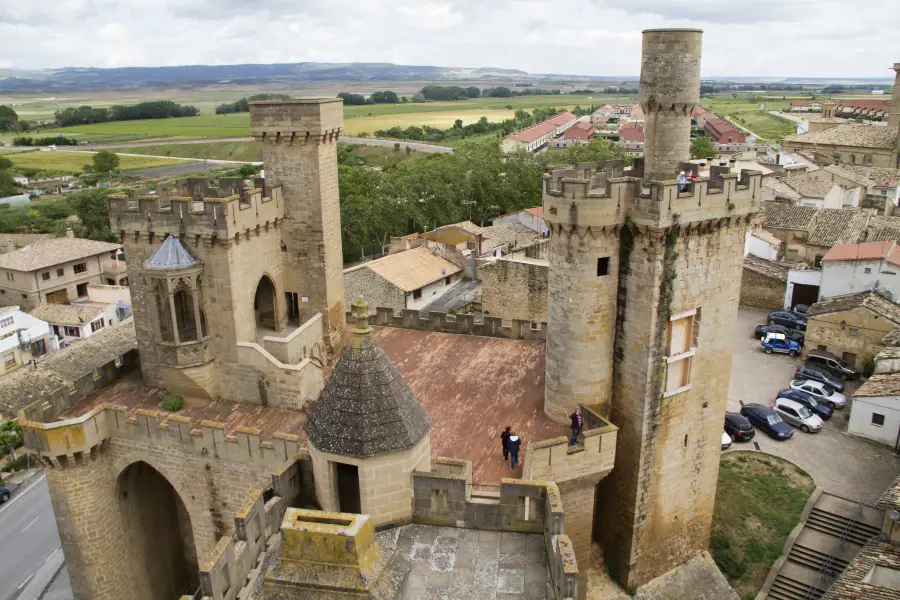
(32, 555)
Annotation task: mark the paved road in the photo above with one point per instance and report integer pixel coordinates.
(31, 555)
(843, 464)
(346, 139)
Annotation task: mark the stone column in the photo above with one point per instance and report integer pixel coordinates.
(670, 89)
(196, 295)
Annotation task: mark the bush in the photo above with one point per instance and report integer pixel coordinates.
(20, 464)
(725, 557)
(173, 403)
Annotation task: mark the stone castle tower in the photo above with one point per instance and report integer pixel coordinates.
(227, 283)
(644, 283)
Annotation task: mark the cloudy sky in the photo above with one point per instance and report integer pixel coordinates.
(768, 38)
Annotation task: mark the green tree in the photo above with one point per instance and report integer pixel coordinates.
(457, 124)
(93, 213)
(105, 161)
(473, 92)
(703, 147)
(7, 185)
(8, 119)
(10, 435)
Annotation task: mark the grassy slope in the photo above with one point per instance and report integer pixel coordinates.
(758, 502)
(66, 163)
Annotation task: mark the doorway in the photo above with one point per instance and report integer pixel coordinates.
(264, 304)
(348, 488)
(804, 294)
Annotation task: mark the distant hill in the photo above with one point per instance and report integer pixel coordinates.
(92, 78)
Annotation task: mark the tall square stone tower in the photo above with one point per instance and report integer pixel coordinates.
(644, 282)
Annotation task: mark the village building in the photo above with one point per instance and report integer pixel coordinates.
(74, 322)
(848, 143)
(57, 270)
(409, 279)
(763, 282)
(802, 106)
(23, 338)
(533, 218)
(875, 412)
(631, 138)
(851, 326)
(723, 132)
(534, 138)
(852, 268)
(762, 244)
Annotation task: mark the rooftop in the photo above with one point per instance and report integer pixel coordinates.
(171, 255)
(472, 387)
(766, 268)
(779, 215)
(880, 385)
(809, 188)
(864, 251)
(68, 314)
(12, 241)
(871, 300)
(880, 177)
(853, 582)
(856, 135)
(411, 269)
(513, 234)
(839, 226)
(47, 253)
(631, 132)
(529, 134)
(579, 131)
(883, 229)
(766, 236)
(891, 496)
(892, 339)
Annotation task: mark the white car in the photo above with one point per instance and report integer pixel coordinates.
(798, 415)
(726, 441)
(824, 394)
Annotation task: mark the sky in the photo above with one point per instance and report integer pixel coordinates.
(751, 38)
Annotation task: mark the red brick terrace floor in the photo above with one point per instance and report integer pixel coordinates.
(473, 387)
(133, 394)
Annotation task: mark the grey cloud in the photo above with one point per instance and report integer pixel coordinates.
(715, 11)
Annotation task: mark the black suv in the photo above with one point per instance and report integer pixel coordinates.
(819, 374)
(826, 361)
(4, 494)
(738, 427)
(787, 318)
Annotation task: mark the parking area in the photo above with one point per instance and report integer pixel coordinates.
(844, 465)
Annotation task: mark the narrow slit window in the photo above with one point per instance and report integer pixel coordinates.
(602, 266)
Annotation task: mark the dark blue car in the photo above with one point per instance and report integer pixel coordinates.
(788, 318)
(4, 494)
(765, 418)
(808, 401)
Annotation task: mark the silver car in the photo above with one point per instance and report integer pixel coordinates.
(798, 415)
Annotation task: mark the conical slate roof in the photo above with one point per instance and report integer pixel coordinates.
(366, 408)
(172, 255)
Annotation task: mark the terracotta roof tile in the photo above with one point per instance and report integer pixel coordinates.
(892, 339)
(411, 269)
(46, 253)
(68, 314)
(850, 585)
(766, 268)
(881, 177)
(809, 188)
(839, 226)
(865, 251)
(891, 496)
(512, 234)
(11, 241)
(880, 385)
(856, 135)
(766, 236)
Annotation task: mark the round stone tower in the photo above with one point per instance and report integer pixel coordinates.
(670, 89)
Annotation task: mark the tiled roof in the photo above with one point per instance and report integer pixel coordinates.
(68, 314)
(865, 251)
(880, 385)
(579, 131)
(892, 339)
(11, 241)
(856, 135)
(766, 236)
(529, 134)
(631, 132)
(882, 177)
(839, 226)
(47, 253)
(850, 585)
(766, 268)
(809, 188)
(512, 234)
(871, 300)
(781, 189)
(891, 496)
(411, 269)
(62, 368)
(537, 211)
(171, 255)
(882, 229)
(779, 215)
(880, 105)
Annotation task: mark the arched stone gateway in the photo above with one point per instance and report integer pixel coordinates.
(156, 521)
(265, 304)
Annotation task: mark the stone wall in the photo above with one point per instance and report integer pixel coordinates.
(761, 291)
(462, 324)
(443, 497)
(260, 378)
(513, 289)
(362, 281)
(858, 332)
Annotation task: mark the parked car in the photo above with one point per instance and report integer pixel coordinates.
(798, 415)
(816, 374)
(4, 494)
(761, 331)
(765, 418)
(826, 361)
(801, 308)
(738, 427)
(821, 392)
(787, 318)
(809, 401)
(778, 342)
(726, 441)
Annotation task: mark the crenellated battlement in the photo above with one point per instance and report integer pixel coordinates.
(607, 195)
(196, 207)
(73, 441)
(297, 122)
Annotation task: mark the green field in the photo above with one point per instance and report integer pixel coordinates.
(767, 125)
(72, 163)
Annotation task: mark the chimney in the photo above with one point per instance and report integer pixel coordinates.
(69, 233)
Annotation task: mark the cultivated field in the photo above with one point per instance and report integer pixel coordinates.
(71, 163)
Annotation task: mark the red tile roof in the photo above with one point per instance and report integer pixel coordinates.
(723, 132)
(579, 131)
(537, 211)
(881, 105)
(631, 132)
(529, 134)
(864, 251)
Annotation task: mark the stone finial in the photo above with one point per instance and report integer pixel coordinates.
(360, 312)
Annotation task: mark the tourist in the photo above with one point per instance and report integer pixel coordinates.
(682, 182)
(577, 424)
(504, 441)
(514, 444)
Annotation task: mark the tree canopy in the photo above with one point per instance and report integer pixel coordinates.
(9, 119)
(703, 147)
(105, 161)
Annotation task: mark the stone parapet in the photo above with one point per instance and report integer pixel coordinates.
(443, 497)
(74, 441)
(303, 342)
(224, 218)
(517, 329)
(296, 121)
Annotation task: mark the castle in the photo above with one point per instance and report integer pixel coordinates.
(239, 307)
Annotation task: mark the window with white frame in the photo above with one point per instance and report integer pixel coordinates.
(680, 350)
(7, 322)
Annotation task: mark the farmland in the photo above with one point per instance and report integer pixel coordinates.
(71, 163)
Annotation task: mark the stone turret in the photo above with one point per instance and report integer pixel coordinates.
(894, 118)
(367, 432)
(670, 89)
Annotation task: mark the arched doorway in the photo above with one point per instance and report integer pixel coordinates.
(264, 304)
(158, 527)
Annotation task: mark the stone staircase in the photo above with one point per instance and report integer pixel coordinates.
(834, 532)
